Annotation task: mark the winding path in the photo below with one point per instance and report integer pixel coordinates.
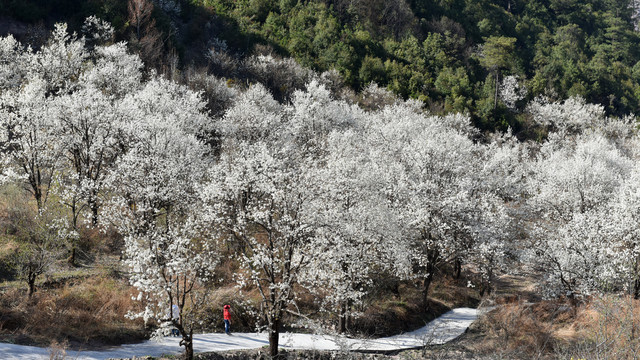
(441, 330)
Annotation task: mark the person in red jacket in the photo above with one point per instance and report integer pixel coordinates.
(227, 319)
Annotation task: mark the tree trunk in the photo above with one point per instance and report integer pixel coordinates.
(457, 268)
(72, 257)
(395, 288)
(490, 282)
(486, 289)
(432, 257)
(343, 321)
(74, 214)
(425, 291)
(495, 98)
(93, 204)
(187, 342)
(31, 281)
(38, 195)
(274, 337)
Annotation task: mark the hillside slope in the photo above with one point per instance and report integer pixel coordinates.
(449, 54)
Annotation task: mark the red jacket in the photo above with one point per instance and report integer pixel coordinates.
(227, 313)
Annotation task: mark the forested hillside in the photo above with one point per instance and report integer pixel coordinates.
(484, 57)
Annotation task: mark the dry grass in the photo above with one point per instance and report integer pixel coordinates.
(454, 293)
(8, 248)
(600, 328)
(605, 328)
(519, 329)
(91, 312)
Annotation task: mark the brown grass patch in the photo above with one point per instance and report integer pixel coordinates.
(603, 327)
(606, 328)
(454, 293)
(89, 312)
(522, 330)
(8, 248)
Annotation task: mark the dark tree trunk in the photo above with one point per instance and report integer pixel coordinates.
(457, 268)
(495, 98)
(74, 214)
(37, 193)
(395, 289)
(490, 282)
(343, 321)
(72, 257)
(274, 337)
(31, 281)
(188, 351)
(425, 291)
(187, 342)
(35, 180)
(432, 257)
(93, 203)
(486, 289)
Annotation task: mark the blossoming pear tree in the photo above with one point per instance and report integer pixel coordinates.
(155, 204)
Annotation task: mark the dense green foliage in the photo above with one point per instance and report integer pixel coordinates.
(448, 53)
